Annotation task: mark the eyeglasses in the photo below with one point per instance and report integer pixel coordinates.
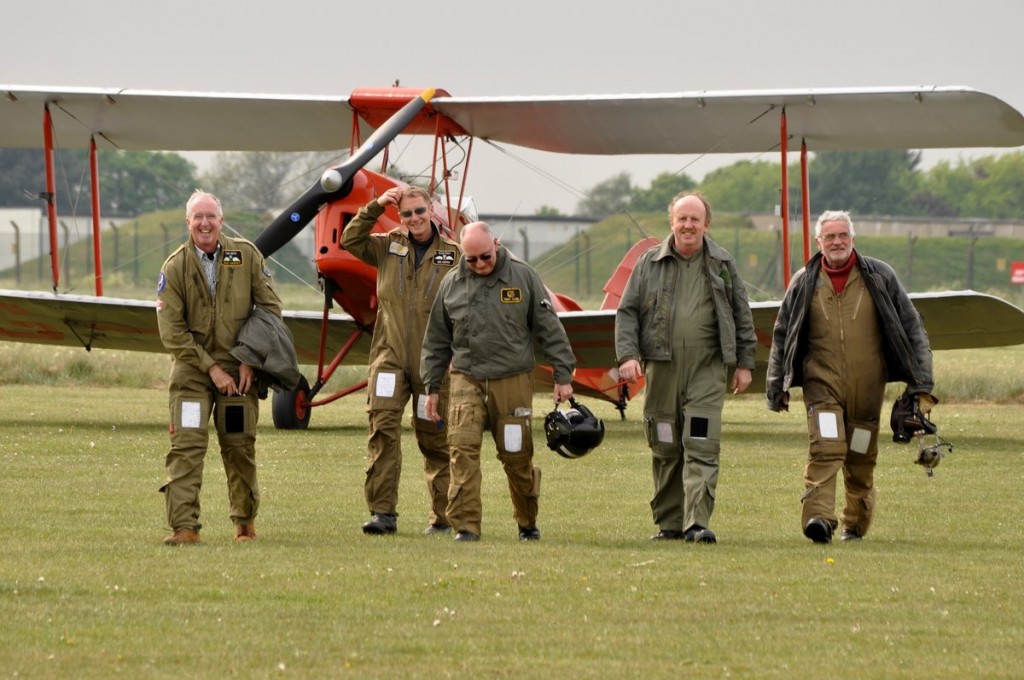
(406, 214)
(485, 257)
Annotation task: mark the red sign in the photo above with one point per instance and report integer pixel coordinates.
(1017, 272)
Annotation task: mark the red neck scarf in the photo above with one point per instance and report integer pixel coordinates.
(841, 274)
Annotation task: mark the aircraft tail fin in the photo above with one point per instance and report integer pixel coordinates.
(617, 283)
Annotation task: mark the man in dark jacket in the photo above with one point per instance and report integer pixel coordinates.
(845, 328)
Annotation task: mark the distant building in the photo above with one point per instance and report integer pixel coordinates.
(530, 236)
(885, 225)
(25, 234)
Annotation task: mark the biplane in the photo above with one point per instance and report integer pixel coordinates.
(371, 119)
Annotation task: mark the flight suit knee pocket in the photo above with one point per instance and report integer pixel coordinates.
(514, 436)
(662, 434)
(386, 390)
(236, 417)
(862, 437)
(826, 431)
(465, 426)
(190, 411)
(702, 432)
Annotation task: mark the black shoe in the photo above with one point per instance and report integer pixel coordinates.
(850, 534)
(698, 534)
(529, 534)
(466, 536)
(818, 530)
(668, 535)
(435, 529)
(381, 525)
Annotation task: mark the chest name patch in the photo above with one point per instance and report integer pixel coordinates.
(445, 258)
(232, 258)
(396, 248)
(511, 296)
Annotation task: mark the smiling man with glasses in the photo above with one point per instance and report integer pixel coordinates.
(487, 316)
(411, 261)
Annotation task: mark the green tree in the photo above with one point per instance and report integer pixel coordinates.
(131, 182)
(990, 186)
(23, 178)
(264, 180)
(865, 182)
(607, 198)
(749, 186)
(547, 211)
(137, 182)
(663, 188)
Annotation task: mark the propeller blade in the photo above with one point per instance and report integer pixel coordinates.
(336, 182)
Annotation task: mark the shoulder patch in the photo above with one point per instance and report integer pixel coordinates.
(161, 283)
(511, 296)
(445, 258)
(232, 258)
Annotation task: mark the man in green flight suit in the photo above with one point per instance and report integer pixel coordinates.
(684, 314)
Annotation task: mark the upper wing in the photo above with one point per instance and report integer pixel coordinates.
(115, 323)
(743, 121)
(175, 121)
(688, 122)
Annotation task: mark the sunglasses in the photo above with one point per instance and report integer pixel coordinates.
(406, 214)
(485, 257)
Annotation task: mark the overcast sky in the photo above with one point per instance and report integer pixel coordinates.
(476, 48)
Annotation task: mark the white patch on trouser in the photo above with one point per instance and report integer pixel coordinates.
(385, 386)
(421, 407)
(513, 436)
(191, 414)
(828, 425)
(664, 430)
(860, 440)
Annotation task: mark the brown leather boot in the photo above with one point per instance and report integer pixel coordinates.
(182, 537)
(245, 532)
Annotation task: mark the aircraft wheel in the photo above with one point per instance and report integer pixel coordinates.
(291, 407)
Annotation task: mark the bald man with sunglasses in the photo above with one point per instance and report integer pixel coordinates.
(411, 261)
(487, 317)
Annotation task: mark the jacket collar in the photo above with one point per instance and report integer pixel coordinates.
(712, 249)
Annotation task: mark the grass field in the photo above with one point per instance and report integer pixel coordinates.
(87, 590)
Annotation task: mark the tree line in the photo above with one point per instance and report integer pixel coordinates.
(865, 182)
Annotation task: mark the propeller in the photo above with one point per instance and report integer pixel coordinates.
(336, 182)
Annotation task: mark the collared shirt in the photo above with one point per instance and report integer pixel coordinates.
(209, 262)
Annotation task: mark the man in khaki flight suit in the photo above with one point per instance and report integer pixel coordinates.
(845, 328)
(207, 290)
(411, 263)
(486, 318)
(684, 314)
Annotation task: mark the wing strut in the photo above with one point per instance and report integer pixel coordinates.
(97, 243)
(805, 198)
(51, 195)
(785, 200)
